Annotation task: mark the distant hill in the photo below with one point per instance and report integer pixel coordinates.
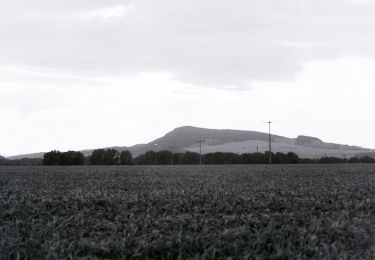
(186, 138)
(369, 154)
(29, 156)
(20, 162)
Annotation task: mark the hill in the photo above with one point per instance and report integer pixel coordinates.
(182, 138)
(186, 138)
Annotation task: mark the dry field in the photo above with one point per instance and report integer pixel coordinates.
(180, 212)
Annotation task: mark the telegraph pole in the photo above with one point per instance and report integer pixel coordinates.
(156, 154)
(200, 151)
(269, 143)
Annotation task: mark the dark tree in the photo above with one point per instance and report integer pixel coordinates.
(105, 157)
(150, 158)
(52, 158)
(72, 158)
(79, 159)
(249, 158)
(367, 159)
(164, 157)
(190, 158)
(292, 158)
(331, 160)
(126, 158)
(111, 157)
(67, 158)
(178, 158)
(97, 157)
(140, 160)
(167, 157)
(354, 160)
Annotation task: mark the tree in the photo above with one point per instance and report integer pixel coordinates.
(367, 159)
(105, 157)
(72, 158)
(354, 160)
(79, 158)
(52, 158)
(111, 157)
(327, 159)
(67, 158)
(164, 157)
(140, 160)
(190, 158)
(292, 157)
(126, 158)
(150, 158)
(97, 157)
(177, 158)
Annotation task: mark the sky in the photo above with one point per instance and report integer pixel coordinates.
(80, 74)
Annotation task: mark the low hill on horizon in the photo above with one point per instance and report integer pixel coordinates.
(186, 138)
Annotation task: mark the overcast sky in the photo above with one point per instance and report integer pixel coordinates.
(77, 74)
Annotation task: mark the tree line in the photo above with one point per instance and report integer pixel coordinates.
(165, 157)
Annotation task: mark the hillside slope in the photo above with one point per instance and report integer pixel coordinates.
(238, 141)
(182, 137)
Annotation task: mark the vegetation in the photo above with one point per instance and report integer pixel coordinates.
(67, 158)
(20, 162)
(181, 212)
(105, 157)
(126, 158)
(114, 157)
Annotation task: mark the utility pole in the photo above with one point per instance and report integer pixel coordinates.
(156, 154)
(200, 151)
(269, 143)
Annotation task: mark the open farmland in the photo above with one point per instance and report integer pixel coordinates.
(252, 211)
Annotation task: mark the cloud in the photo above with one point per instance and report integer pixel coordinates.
(41, 111)
(95, 111)
(217, 44)
(105, 13)
(72, 70)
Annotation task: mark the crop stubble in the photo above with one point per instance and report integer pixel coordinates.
(242, 211)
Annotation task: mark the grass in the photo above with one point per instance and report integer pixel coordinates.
(180, 212)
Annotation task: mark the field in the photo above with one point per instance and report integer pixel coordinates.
(179, 212)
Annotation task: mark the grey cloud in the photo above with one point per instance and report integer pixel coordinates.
(214, 43)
